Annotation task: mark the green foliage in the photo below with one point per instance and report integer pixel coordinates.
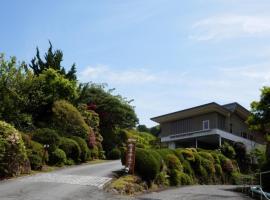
(14, 85)
(114, 154)
(71, 148)
(146, 165)
(173, 162)
(47, 88)
(143, 139)
(227, 166)
(69, 120)
(85, 153)
(53, 60)
(188, 154)
(164, 152)
(228, 150)
(13, 153)
(47, 136)
(187, 168)
(115, 112)
(180, 178)
(35, 153)
(162, 179)
(58, 157)
(94, 153)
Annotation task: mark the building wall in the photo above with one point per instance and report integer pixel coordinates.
(192, 124)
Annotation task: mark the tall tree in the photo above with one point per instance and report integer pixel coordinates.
(15, 79)
(52, 60)
(115, 112)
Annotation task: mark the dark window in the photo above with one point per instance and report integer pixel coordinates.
(206, 124)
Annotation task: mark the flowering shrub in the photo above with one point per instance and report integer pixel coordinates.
(12, 151)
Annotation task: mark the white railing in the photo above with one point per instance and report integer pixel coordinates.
(254, 186)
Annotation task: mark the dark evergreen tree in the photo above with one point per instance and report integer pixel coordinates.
(52, 60)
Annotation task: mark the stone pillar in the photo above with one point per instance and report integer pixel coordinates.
(219, 141)
(196, 143)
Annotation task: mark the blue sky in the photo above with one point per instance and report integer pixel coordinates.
(167, 55)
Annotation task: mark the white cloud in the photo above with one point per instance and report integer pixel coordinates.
(103, 73)
(230, 26)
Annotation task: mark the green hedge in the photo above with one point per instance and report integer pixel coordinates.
(58, 157)
(12, 154)
(71, 148)
(47, 136)
(146, 165)
(85, 152)
(114, 154)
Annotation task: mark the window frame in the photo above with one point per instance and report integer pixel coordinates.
(203, 124)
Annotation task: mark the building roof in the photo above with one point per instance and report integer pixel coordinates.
(225, 110)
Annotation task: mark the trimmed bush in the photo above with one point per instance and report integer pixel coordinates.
(94, 154)
(228, 150)
(114, 154)
(58, 157)
(206, 156)
(187, 168)
(12, 154)
(35, 153)
(85, 153)
(146, 165)
(173, 162)
(188, 154)
(69, 120)
(47, 136)
(71, 148)
(164, 152)
(179, 178)
(227, 166)
(162, 179)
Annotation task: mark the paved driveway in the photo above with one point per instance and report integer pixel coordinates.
(197, 192)
(74, 183)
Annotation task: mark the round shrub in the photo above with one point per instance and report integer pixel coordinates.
(12, 154)
(228, 150)
(179, 154)
(187, 168)
(218, 170)
(180, 178)
(114, 154)
(71, 148)
(188, 154)
(58, 157)
(47, 136)
(146, 165)
(162, 179)
(85, 153)
(173, 162)
(164, 152)
(35, 153)
(206, 155)
(208, 165)
(94, 153)
(227, 166)
(69, 120)
(158, 158)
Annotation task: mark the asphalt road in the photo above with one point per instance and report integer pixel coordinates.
(86, 182)
(197, 192)
(73, 183)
